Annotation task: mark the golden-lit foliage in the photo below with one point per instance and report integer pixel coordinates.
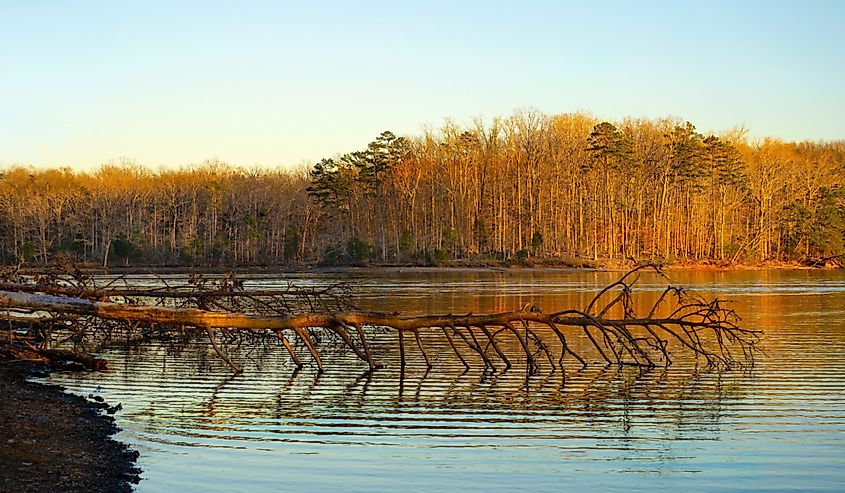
(528, 185)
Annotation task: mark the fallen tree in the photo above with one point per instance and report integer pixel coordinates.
(677, 320)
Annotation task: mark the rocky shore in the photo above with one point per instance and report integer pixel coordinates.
(52, 441)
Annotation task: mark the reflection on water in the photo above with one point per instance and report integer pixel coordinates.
(779, 427)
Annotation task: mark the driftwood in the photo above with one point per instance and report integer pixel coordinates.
(677, 320)
(22, 350)
(182, 292)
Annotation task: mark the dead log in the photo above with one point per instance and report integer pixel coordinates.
(704, 328)
(165, 292)
(58, 356)
(21, 350)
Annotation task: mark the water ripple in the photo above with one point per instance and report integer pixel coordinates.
(779, 427)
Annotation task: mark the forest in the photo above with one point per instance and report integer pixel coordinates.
(528, 188)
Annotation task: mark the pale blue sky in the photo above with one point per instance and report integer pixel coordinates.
(268, 83)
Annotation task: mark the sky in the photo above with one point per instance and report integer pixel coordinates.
(171, 83)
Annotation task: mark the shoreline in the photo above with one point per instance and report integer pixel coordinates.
(456, 266)
(51, 440)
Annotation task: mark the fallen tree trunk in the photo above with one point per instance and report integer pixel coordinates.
(701, 327)
(165, 292)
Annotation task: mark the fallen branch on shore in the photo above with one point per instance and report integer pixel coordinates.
(23, 350)
(678, 320)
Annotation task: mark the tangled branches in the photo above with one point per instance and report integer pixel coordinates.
(608, 328)
(707, 328)
(33, 330)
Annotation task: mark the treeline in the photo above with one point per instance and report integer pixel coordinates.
(124, 213)
(563, 187)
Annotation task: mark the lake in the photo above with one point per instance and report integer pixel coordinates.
(778, 427)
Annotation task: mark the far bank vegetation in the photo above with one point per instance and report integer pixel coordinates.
(528, 188)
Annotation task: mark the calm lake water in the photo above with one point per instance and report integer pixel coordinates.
(779, 427)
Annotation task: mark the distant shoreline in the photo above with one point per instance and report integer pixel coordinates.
(540, 266)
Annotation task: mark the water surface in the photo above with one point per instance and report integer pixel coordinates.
(779, 427)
